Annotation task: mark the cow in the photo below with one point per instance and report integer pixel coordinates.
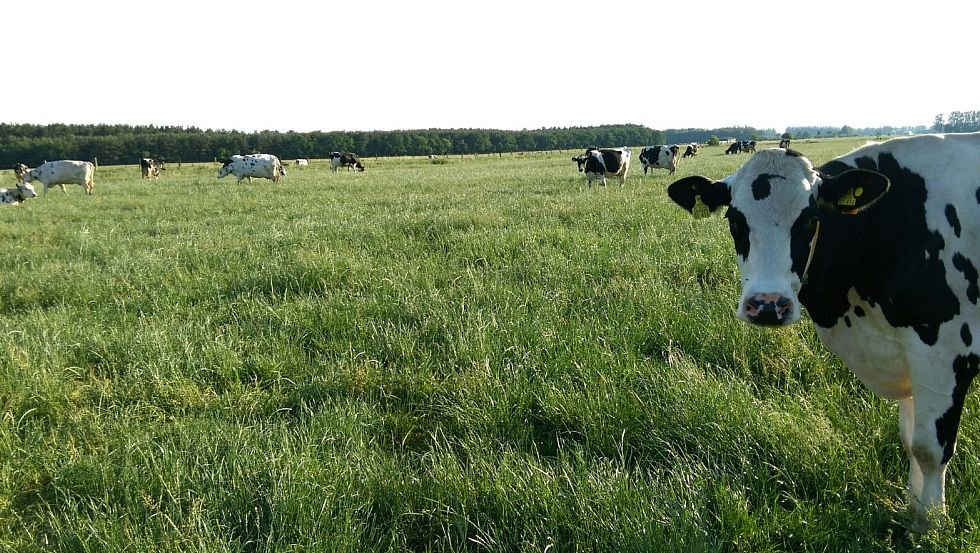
(265, 166)
(599, 163)
(734, 148)
(150, 168)
(659, 157)
(692, 150)
(784, 143)
(20, 193)
(748, 146)
(302, 162)
(345, 159)
(62, 172)
(879, 245)
(20, 170)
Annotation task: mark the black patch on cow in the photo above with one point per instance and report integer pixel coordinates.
(966, 267)
(965, 368)
(613, 160)
(801, 235)
(650, 157)
(593, 165)
(954, 220)
(761, 187)
(793, 153)
(739, 228)
(978, 195)
(858, 310)
(847, 321)
(887, 254)
(966, 335)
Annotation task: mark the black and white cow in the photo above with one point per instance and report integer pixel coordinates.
(599, 163)
(345, 159)
(150, 168)
(266, 166)
(62, 172)
(18, 194)
(734, 148)
(20, 170)
(692, 150)
(784, 143)
(659, 157)
(880, 246)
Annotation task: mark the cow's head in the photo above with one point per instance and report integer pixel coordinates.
(358, 166)
(32, 174)
(26, 190)
(776, 201)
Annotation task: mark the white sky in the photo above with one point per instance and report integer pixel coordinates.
(373, 65)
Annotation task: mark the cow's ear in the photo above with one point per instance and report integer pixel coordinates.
(853, 191)
(700, 196)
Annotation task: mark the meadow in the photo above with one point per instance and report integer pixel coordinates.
(477, 354)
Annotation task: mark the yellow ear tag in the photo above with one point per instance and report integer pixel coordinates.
(700, 209)
(850, 198)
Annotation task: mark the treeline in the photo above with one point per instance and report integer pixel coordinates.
(125, 144)
(846, 130)
(681, 136)
(958, 121)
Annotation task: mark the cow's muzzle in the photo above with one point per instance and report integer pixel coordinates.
(769, 309)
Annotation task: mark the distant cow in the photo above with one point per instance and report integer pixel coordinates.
(659, 157)
(734, 148)
(302, 162)
(14, 196)
(150, 168)
(20, 170)
(264, 166)
(345, 159)
(784, 143)
(879, 245)
(692, 150)
(748, 146)
(599, 163)
(62, 172)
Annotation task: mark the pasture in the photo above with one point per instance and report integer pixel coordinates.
(471, 355)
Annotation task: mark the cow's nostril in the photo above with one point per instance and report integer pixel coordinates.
(768, 309)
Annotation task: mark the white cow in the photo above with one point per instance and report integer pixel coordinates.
(16, 195)
(265, 166)
(302, 162)
(880, 247)
(62, 172)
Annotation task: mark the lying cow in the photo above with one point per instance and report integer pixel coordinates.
(302, 162)
(150, 168)
(659, 157)
(599, 163)
(879, 246)
(345, 159)
(20, 193)
(265, 166)
(62, 172)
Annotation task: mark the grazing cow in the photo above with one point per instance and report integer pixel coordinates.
(302, 162)
(748, 146)
(264, 166)
(734, 148)
(880, 247)
(14, 196)
(599, 163)
(20, 170)
(659, 157)
(62, 172)
(150, 168)
(345, 159)
(692, 150)
(784, 143)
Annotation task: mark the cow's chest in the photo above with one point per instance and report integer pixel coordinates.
(873, 349)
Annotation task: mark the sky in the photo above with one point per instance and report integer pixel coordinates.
(378, 65)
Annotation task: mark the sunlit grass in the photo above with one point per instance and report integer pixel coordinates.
(477, 354)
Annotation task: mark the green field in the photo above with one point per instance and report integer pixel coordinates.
(471, 355)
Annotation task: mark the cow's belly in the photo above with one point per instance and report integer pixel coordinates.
(874, 350)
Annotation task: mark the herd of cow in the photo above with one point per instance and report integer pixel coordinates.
(879, 245)
(62, 172)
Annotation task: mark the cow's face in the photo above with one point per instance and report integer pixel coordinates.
(224, 171)
(580, 160)
(32, 174)
(776, 201)
(27, 190)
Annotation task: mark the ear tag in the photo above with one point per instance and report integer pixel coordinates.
(851, 196)
(700, 209)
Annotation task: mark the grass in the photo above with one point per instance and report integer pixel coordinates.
(472, 355)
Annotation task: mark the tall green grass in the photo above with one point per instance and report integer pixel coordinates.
(479, 354)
